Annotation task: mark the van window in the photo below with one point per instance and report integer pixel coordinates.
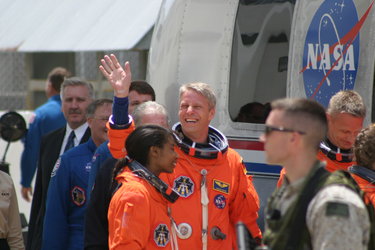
(259, 58)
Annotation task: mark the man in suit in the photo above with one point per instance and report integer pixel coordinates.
(67, 200)
(76, 95)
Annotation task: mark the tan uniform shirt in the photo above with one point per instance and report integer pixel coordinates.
(10, 223)
(346, 228)
(329, 229)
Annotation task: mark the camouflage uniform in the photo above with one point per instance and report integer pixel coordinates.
(336, 217)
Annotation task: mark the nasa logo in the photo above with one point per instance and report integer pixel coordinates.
(331, 50)
(220, 201)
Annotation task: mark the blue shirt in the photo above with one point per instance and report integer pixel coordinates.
(101, 154)
(48, 117)
(67, 199)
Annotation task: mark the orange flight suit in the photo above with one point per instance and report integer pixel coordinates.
(232, 196)
(137, 216)
(367, 187)
(331, 166)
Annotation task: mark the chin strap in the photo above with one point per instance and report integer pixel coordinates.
(167, 192)
(365, 173)
(335, 155)
(217, 144)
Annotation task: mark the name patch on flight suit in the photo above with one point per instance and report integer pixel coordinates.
(161, 235)
(221, 186)
(184, 186)
(337, 209)
(78, 196)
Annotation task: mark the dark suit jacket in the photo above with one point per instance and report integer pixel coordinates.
(49, 153)
(96, 222)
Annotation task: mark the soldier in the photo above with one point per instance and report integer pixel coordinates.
(345, 114)
(329, 214)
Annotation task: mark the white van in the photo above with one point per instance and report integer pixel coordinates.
(254, 51)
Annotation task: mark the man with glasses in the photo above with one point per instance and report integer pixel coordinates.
(313, 209)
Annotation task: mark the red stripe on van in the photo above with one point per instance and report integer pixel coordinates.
(249, 145)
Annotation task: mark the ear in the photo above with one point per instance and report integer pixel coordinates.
(89, 121)
(211, 114)
(296, 139)
(154, 152)
(329, 117)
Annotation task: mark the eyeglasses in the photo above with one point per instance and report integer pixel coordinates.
(268, 129)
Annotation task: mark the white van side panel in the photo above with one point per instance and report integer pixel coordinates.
(202, 44)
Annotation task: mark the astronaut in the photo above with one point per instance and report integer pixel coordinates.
(216, 191)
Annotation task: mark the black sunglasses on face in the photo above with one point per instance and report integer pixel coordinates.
(268, 129)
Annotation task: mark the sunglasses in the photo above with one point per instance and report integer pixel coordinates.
(268, 129)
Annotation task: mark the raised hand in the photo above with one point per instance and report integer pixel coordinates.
(117, 76)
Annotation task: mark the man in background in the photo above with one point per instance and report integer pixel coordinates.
(67, 191)
(139, 92)
(46, 118)
(76, 95)
(345, 114)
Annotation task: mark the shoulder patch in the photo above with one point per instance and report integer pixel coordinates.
(78, 196)
(221, 186)
(337, 209)
(161, 235)
(56, 167)
(184, 186)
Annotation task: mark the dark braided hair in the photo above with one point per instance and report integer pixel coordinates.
(139, 142)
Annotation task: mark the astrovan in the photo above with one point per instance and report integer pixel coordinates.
(255, 51)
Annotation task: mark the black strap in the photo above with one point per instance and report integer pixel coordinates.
(307, 194)
(364, 173)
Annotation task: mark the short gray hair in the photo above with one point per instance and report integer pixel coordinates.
(93, 106)
(202, 88)
(75, 81)
(347, 101)
(149, 107)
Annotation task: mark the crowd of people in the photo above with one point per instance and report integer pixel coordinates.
(114, 174)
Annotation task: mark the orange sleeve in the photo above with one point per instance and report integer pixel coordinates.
(117, 138)
(245, 205)
(129, 221)
(367, 187)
